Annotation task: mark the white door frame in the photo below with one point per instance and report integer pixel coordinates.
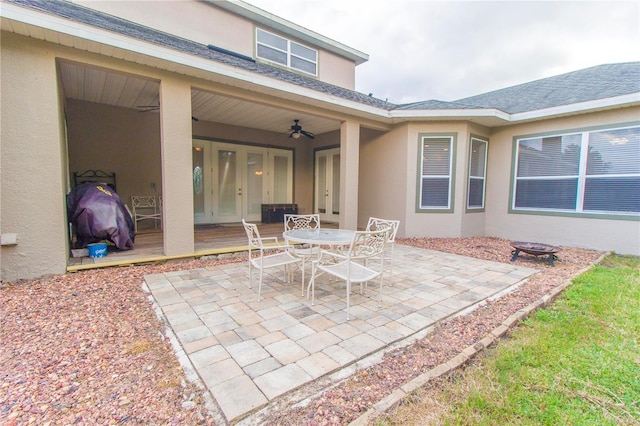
(327, 184)
(240, 184)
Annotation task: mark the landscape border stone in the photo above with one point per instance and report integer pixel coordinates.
(382, 406)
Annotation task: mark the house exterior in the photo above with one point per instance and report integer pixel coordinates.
(194, 102)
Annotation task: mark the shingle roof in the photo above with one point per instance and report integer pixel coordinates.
(434, 104)
(121, 26)
(599, 82)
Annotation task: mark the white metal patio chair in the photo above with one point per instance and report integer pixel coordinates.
(303, 221)
(375, 224)
(145, 207)
(270, 255)
(362, 262)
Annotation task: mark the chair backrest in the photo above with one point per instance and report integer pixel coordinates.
(375, 224)
(368, 244)
(301, 221)
(253, 235)
(143, 202)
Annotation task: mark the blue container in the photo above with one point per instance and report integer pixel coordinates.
(97, 250)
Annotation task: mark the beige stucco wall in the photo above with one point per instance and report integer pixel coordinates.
(336, 70)
(118, 140)
(622, 236)
(383, 176)
(207, 24)
(397, 152)
(32, 204)
(176, 153)
(388, 181)
(436, 223)
(193, 20)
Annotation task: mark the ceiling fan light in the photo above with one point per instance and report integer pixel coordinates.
(296, 135)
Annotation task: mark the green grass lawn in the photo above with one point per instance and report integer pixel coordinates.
(574, 363)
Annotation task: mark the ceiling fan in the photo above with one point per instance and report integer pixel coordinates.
(296, 131)
(147, 108)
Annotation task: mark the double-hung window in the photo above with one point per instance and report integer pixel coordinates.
(280, 50)
(477, 173)
(435, 176)
(585, 172)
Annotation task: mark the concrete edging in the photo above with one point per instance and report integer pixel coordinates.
(457, 361)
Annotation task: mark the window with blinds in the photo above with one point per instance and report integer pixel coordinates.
(477, 173)
(435, 172)
(582, 172)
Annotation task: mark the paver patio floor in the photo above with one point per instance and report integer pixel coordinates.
(249, 353)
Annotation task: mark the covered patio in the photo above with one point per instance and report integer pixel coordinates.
(251, 354)
(209, 240)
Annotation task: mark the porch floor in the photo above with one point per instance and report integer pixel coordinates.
(208, 240)
(250, 354)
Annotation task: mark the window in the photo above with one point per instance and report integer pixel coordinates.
(285, 52)
(477, 172)
(582, 172)
(435, 172)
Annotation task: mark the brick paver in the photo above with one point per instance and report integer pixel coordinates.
(249, 352)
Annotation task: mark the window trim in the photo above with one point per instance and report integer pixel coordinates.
(566, 213)
(453, 138)
(288, 53)
(485, 140)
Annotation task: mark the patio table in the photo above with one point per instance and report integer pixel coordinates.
(319, 237)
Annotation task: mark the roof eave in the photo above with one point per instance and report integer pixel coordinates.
(155, 55)
(486, 116)
(286, 27)
(496, 117)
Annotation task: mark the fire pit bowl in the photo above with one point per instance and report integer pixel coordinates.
(535, 249)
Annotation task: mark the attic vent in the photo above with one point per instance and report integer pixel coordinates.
(230, 53)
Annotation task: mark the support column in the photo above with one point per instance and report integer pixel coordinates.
(177, 190)
(349, 166)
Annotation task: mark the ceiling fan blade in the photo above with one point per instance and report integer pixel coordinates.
(307, 134)
(147, 108)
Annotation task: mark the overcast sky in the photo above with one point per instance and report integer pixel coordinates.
(447, 50)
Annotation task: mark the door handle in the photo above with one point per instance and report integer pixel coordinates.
(240, 191)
